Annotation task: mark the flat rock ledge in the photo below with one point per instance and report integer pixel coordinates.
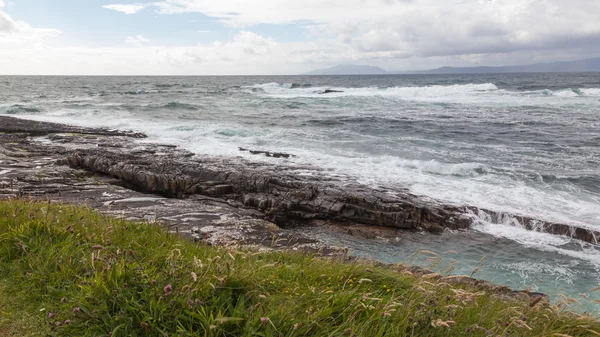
(283, 196)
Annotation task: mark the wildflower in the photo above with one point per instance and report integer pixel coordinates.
(76, 310)
(265, 320)
(51, 314)
(168, 289)
(68, 321)
(63, 300)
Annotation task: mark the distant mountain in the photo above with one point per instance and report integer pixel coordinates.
(587, 65)
(349, 69)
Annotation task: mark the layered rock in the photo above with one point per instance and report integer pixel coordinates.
(284, 197)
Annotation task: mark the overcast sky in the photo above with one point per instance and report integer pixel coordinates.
(206, 37)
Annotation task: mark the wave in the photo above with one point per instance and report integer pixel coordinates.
(440, 168)
(300, 85)
(307, 90)
(455, 92)
(179, 106)
(511, 229)
(138, 92)
(568, 92)
(19, 109)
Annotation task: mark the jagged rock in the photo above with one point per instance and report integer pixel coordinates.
(284, 198)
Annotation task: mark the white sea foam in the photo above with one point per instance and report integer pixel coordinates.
(590, 91)
(483, 94)
(561, 272)
(286, 90)
(566, 93)
(511, 230)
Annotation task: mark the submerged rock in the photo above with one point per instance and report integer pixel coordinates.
(329, 91)
(268, 153)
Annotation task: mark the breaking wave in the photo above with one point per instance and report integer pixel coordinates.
(455, 92)
(299, 90)
(19, 109)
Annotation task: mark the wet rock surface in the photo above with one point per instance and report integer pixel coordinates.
(30, 166)
(34, 128)
(241, 201)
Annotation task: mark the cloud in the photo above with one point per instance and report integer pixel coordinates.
(137, 40)
(420, 28)
(2, 4)
(245, 53)
(15, 33)
(127, 9)
(394, 34)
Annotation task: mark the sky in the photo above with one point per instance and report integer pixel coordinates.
(277, 37)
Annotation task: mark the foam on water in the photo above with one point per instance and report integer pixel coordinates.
(484, 94)
(287, 90)
(541, 241)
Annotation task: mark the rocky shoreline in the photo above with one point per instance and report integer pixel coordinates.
(217, 200)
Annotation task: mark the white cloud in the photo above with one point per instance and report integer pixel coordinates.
(137, 40)
(127, 9)
(2, 4)
(15, 33)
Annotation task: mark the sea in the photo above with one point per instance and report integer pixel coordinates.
(524, 144)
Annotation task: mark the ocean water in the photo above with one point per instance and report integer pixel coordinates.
(526, 144)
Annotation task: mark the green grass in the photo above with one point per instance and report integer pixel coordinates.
(69, 271)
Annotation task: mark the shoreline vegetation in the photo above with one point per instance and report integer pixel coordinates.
(71, 271)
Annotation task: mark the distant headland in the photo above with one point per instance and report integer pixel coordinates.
(587, 65)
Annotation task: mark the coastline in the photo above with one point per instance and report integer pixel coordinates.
(271, 194)
(216, 201)
(140, 279)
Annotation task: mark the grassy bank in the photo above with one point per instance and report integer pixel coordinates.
(70, 271)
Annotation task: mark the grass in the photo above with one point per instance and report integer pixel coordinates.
(69, 271)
